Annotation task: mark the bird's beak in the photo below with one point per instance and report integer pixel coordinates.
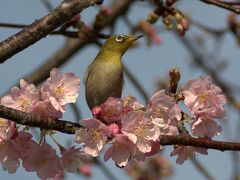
(133, 38)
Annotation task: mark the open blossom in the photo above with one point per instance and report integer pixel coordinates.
(205, 127)
(112, 109)
(165, 112)
(140, 130)
(132, 103)
(93, 136)
(43, 160)
(204, 98)
(13, 150)
(187, 152)
(61, 88)
(7, 129)
(23, 98)
(46, 109)
(121, 151)
(71, 158)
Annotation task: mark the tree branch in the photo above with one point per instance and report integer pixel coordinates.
(222, 4)
(42, 27)
(70, 128)
(38, 121)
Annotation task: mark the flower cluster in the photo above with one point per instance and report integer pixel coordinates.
(133, 130)
(47, 101)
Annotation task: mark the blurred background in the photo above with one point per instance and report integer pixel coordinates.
(200, 52)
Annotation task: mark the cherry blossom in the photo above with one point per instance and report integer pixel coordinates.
(205, 127)
(165, 112)
(121, 151)
(23, 98)
(93, 136)
(186, 152)
(7, 130)
(61, 89)
(140, 130)
(71, 158)
(42, 160)
(204, 98)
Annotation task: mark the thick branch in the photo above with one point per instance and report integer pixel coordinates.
(70, 128)
(42, 27)
(37, 121)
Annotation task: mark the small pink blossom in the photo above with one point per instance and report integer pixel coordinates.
(106, 10)
(9, 157)
(186, 152)
(121, 151)
(93, 136)
(43, 160)
(46, 109)
(205, 127)
(23, 98)
(71, 158)
(114, 128)
(61, 89)
(140, 130)
(85, 169)
(132, 103)
(7, 130)
(150, 31)
(165, 112)
(111, 109)
(204, 98)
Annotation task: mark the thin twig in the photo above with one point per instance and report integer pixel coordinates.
(223, 4)
(105, 170)
(42, 27)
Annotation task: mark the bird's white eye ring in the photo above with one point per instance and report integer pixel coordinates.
(119, 38)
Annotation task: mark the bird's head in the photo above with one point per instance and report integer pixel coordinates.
(120, 43)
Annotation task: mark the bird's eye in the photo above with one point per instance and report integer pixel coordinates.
(119, 38)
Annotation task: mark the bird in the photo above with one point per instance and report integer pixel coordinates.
(104, 76)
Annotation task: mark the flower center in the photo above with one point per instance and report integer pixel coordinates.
(59, 91)
(25, 103)
(203, 97)
(94, 134)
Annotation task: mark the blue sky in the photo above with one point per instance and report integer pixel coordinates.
(149, 64)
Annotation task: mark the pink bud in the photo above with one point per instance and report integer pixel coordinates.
(96, 111)
(114, 128)
(85, 169)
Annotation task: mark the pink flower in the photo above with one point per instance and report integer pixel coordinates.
(114, 128)
(132, 103)
(7, 130)
(23, 99)
(140, 130)
(111, 109)
(61, 89)
(9, 157)
(46, 109)
(85, 169)
(93, 136)
(186, 152)
(71, 158)
(205, 127)
(121, 151)
(204, 98)
(43, 160)
(165, 112)
(150, 31)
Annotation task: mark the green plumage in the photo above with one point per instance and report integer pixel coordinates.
(104, 76)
